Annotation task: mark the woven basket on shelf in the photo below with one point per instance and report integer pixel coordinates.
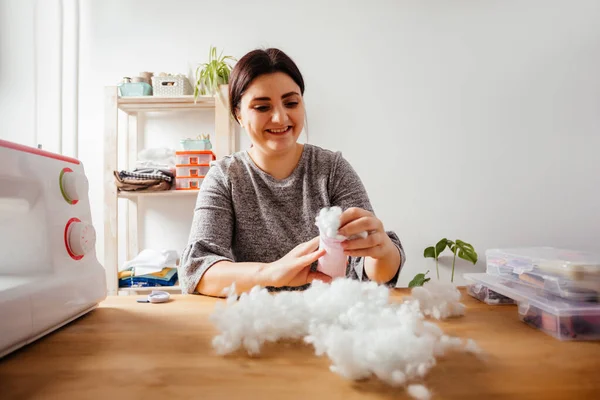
(170, 86)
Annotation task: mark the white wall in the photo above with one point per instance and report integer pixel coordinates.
(37, 78)
(466, 119)
(16, 71)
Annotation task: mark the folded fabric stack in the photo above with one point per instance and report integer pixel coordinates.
(150, 268)
(148, 179)
(154, 171)
(166, 277)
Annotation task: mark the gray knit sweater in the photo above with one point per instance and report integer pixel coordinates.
(243, 214)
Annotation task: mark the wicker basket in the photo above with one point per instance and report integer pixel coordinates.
(171, 86)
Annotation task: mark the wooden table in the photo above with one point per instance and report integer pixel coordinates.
(129, 350)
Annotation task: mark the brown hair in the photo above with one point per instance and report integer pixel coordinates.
(254, 64)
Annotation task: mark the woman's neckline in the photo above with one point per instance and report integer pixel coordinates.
(291, 177)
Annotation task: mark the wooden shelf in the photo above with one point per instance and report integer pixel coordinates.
(154, 103)
(130, 290)
(162, 193)
(123, 131)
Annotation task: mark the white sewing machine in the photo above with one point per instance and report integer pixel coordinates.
(49, 273)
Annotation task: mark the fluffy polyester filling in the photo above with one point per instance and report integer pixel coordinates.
(353, 323)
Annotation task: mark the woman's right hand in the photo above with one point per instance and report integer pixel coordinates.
(294, 268)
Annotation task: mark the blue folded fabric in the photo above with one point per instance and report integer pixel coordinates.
(167, 277)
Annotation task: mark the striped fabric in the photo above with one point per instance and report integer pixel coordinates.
(148, 173)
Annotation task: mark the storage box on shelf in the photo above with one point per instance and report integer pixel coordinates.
(192, 170)
(200, 144)
(129, 107)
(171, 85)
(192, 166)
(135, 89)
(194, 157)
(189, 183)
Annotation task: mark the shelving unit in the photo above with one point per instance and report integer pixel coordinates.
(224, 143)
(176, 288)
(164, 193)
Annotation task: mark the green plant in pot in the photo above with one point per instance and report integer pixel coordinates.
(458, 248)
(212, 74)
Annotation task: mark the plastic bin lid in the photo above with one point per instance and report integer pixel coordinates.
(191, 165)
(526, 294)
(191, 177)
(549, 259)
(185, 152)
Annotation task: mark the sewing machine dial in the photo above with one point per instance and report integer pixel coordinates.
(73, 185)
(80, 238)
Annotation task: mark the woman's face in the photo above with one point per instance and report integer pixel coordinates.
(272, 112)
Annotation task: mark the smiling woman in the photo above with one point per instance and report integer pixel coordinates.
(267, 101)
(273, 123)
(254, 222)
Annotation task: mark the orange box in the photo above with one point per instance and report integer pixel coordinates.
(191, 170)
(188, 182)
(194, 157)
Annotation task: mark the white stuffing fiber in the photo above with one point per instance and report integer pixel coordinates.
(328, 220)
(350, 321)
(439, 299)
(419, 392)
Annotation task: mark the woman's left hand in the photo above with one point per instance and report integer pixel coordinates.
(377, 244)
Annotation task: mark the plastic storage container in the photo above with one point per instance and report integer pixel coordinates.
(191, 170)
(557, 286)
(487, 295)
(572, 264)
(188, 183)
(135, 89)
(568, 274)
(196, 144)
(194, 157)
(565, 320)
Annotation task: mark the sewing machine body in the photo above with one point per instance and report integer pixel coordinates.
(49, 273)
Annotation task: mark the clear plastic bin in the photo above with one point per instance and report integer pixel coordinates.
(562, 319)
(487, 295)
(571, 264)
(188, 183)
(192, 170)
(568, 274)
(194, 157)
(556, 285)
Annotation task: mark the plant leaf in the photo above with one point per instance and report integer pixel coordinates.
(468, 255)
(452, 246)
(441, 246)
(466, 251)
(429, 252)
(216, 71)
(463, 244)
(419, 280)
